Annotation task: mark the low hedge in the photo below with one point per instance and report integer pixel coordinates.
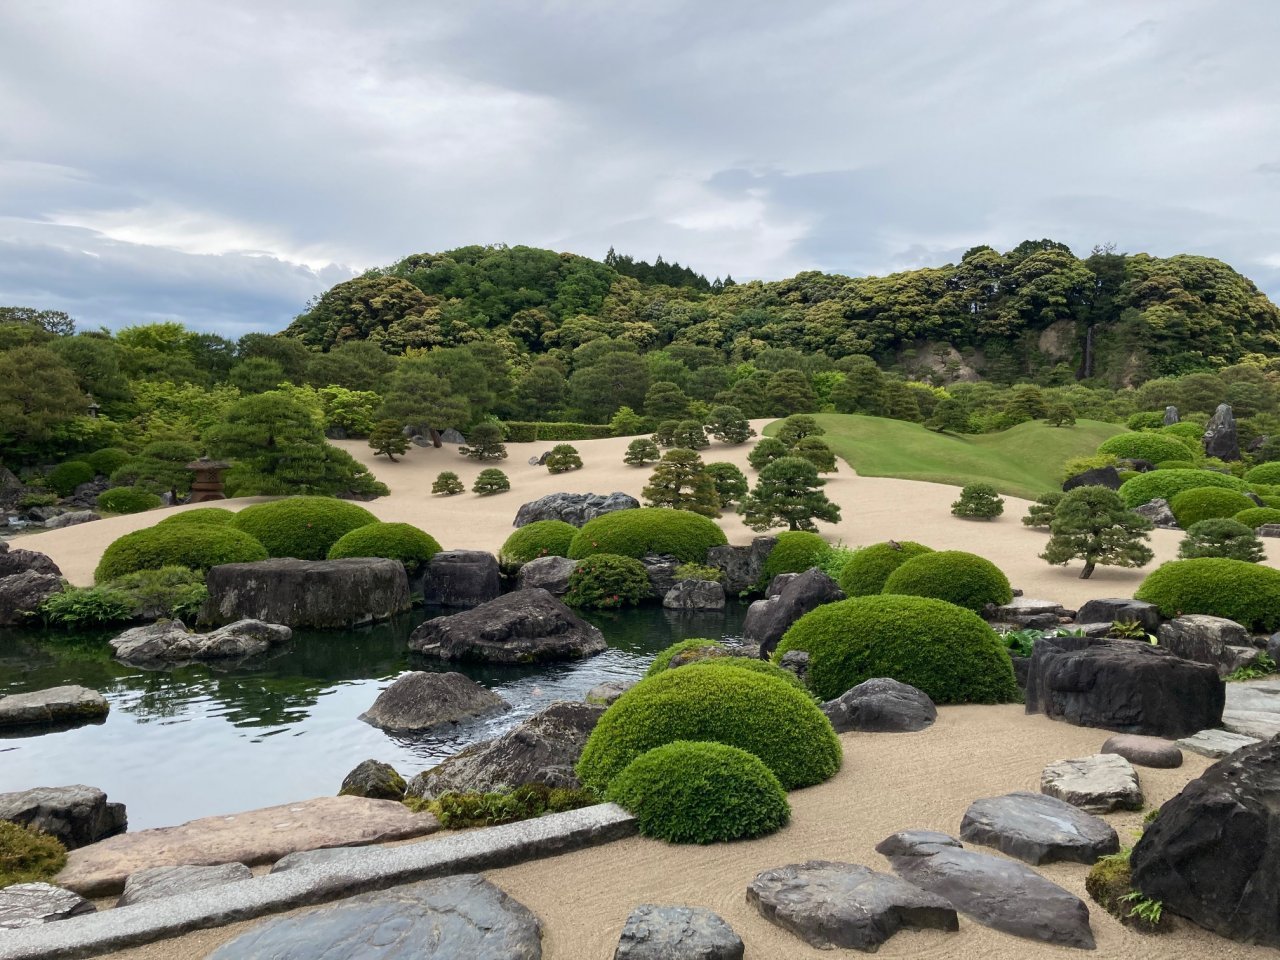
(528, 431)
(965, 579)
(108, 460)
(1147, 446)
(175, 546)
(634, 533)
(1167, 484)
(1255, 517)
(127, 500)
(607, 581)
(542, 538)
(692, 792)
(65, 477)
(711, 702)
(200, 517)
(949, 652)
(394, 541)
(795, 552)
(866, 571)
(302, 527)
(1207, 503)
(1247, 593)
(28, 855)
(1264, 473)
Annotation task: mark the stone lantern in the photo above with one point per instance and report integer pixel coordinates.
(208, 482)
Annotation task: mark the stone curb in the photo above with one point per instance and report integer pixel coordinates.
(358, 870)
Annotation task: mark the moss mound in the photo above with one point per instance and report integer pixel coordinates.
(1167, 484)
(1247, 593)
(965, 579)
(302, 527)
(108, 460)
(394, 541)
(633, 533)
(542, 538)
(1264, 473)
(1207, 503)
(127, 500)
(196, 548)
(28, 856)
(1255, 517)
(200, 517)
(795, 552)
(866, 571)
(1154, 447)
(607, 581)
(65, 477)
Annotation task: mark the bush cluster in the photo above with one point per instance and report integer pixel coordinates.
(154, 547)
(965, 579)
(174, 593)
(663, 660)
(634, 533)
(795, 552)
(108, 460)
(978, 501)
(562, 458)
(127, 500)
(867, 570)
(1264, 473)
(606, 582)
(1207, 503)
(1255, 517)
(65, 477)
(456, 811)
(1147, 446)
(525, 431)
(27, 855)
(1221, 537)
(200, 517)
(302, 527)
(542, 538)
(394, 541)
(1247, 593)
(1167, 484)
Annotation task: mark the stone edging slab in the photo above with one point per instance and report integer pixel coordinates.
(359, 869)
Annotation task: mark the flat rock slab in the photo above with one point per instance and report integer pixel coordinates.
(55, 706)
(1152, 752)
(828, 904)
(1038, 829)
(1098, 784)
(1216, 743)
(995, 892)
(881, 705)
(257, 836)
(677, 933)
(31, 904)
(447, 919)
(156, 882)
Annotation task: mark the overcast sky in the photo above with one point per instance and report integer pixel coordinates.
(221, 162)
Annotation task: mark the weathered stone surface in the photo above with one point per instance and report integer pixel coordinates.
(16, 560)
(1123, 610)
(156, 882)
(375, 780)
(31, 904)
(1158, 512)
(22, 593)
(993, 891)
(574, 508)
(461, 578)
(767, 620)
(1020, 608)
(1212, 855)
(677, 933)
(527, 626)
(661, 569)
(307, 593)
(1216, 743)
(1221, 436)
(603, 694)
(881, 705)
(168, 641)
(797, 661)
(419, 701)
(1038, 828)
(77, 815)
(1122, 685)
(72, 519)
(53, 707)
(1152, 752)
(1107, 477)
(445, 919)
(544, 749)
(1204, 639)
(548, 573)
(1269, 530)
(450, 435)
(741, 568)
(694, 595)
(1098, 784)
(1253, 708)
(780, 580)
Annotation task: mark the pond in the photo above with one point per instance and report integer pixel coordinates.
(207, 739)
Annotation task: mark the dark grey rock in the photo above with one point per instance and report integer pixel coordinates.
(1269, 530)
(1096, 784)
(881, 705)
(31, 904)
(677, 933)
(77, 815)
(694, 595)
(548, 573)
(527, 626)
(1038, 828)
(446, 919)
(1158, 512)
(1152, 752)
(156, 882)
(461, 578)
(603, 694)
(768, 620)
(661, 569)
(1171, 415)
(741, 568)
(1221, 436)
(574, 508)
(418, 440)
(419, 701)
(1123, 685)
(22, 593)
(375, 780)
(307, 593)
(993, 891)
(797, 661)
(780, 580)
(1273, 647)
(170, 641)
(74, 518)
(1122, 610)
(1107, 477)
(830, 905)
(1021, 669)
(1205, 639)
(16, 560)
(543, 749)
(53, 707)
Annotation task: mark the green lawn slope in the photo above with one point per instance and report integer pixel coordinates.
(1024, 461)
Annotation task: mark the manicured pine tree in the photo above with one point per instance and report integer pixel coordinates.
(816, 452)
(767, 450)
(1040, 513)
(1093, 524)
(948, 417)
(731, 483)
(728, 425)
(387, 439)
(485, 442)
(680, 481)
(490, 480)
(448, 484)
(788, 492)
(640, 451)
(563, 458)
(1061, 415)
(797, 427)
(1222, 537)
(691, 435)
(664, 436)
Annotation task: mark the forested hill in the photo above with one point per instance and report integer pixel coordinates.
(1034, 312)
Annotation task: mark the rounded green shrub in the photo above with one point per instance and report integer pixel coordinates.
(302, 527)
(1175, 465)
(127, 500)
(1255, 517)
(795, 552)
(978, 501)
(866, 571)
(713, 702)
(1221, 537)
(542, 538)
(177, 546)
(108, 460)
(65, 477)
(1264, 473)
(1247, 593)
(754, 665)
(1167, 484)
(692, 792)
(663, 660)
(965, 579)
(1207, 503)
(394, 541)
(1186, 430)
(682, 534)
(949, 652)
(200, 517)
(29, 856)
(447, 483)
(490, 481)
(606, 581)
(1147, 446)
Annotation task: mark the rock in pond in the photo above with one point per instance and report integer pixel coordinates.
(1038, 829)
(767, 620)
(677, 933)
(741, 568)
(419, 701)
(326, 594)
(461, 578)
(77, 815)
(169, 641)
(661, 569)
(574, 508)
(694, 595)
(881, 705)
(15, 560)
(375, 780)
(53, 707)
(31, 904)
(1098, 784)
(1152, 752)
(527, 626)
(603, 694)
(155, 883)
(22, 593)
(549, 573)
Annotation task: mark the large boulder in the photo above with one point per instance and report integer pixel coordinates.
(694, 595)
(1222, 643)
(549, 573)
(32, 904)
(1123, 685)
(661, 569)
(1221, 436)
(419, 701)
(741, 568)
(155, 883)
(1171, 415)
(1038, 828)
(461, 578)
(1108, 477)
(1152, 752)
(881, 705)
(72, 519)
(677, 933)
(22, 593)
(14, 560)
(1158, 512)
(53, 707)
(307, 593)
(527, 626)
(1212, 854)
(373, 779)
(767, 620)
(169, 641)
(574, 508)
(77, 815)
(1121, 610)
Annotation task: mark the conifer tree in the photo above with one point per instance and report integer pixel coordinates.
(728, 425)
(788, 492)
(1093, 524)
(387, 439)
(640, 451)
(485, 442)
(680, 481)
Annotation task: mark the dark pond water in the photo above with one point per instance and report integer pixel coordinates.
(203, 739)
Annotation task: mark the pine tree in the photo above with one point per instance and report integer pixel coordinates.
(680, 481)
(563, 458)
(978, 501)
(767, 450)
(1040, 513)
(797, 427)
(691, 435)
(728, 425)
(1061, 415)
(816, 452)
(664, 436)
(485, 442)
(731, 483)
(1093, 525)
(387, 439)
(447, 483)
(1223, 537)
(489, 481)
(948, 417)
(788, 491)
(640, 451)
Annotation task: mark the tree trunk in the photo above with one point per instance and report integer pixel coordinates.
(1087, 572)
(435, 437)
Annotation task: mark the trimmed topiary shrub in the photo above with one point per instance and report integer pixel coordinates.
(965, 579)
(562, 458)
(29, 856)
(1221, 537)
(200, 517)
(1247, 593)
(711, 702)
(753, 665)
(1255, 517)
(1186, 430)
(978, 501)
(795, 552)
(1264, 473)
(65, 477)
(1207, 503)
(394, 541)
(663, 660)
(633, 533)
(127, 500)
(949, 652)
(542, 538)
(108, 460)
(1176, 465)
(448, 484)
(606, 582)
(1147, 446)
(691, 792)
(154, 547)
(489, 481)
(1167, 484)
(302, 527)
(866, 571)
(640, 451)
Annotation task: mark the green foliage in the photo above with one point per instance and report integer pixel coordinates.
(562, 458)
(524, 431)
(697, 792)
(867, 570)
(1247, 593)
(798, 427)
(640, 451)
(175, 546)
(1092, 524)
(1060, 415)
(717, 703)
(752, 665)
(767, 450)
(663, 660)
(200, 516)
(86, 607)
(1264, 473)
(729, 481)
(127, 500)
(29, 856)
(691, 435)
(1185, 429)
(39, 396)
(625, 422)
(947, 651)
(1207, 503)
(387, 439)
(681, 482)
(1078, 465)
(457, 811)
(795, 552)
(489, 481)
(34, 498)
(485, 442)
(1166, 484)
(788, 493)
(698, 571)
(447, 483)
(1021, 643)
(1040, 513)
(816, 452)
(1255, 517)
(1145, 420)
(634, 533)
(108, 460)
(394, 541)
(978, 501)
(542, 538)
(606, 581)
(964, 579)
(65, 477)
(1264, 666)
(168, 592)
(1146, 446)
(1176, 465)
(161, 467)
(728, 425)
(1110, 884)
(302, 527)
(665, 434)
